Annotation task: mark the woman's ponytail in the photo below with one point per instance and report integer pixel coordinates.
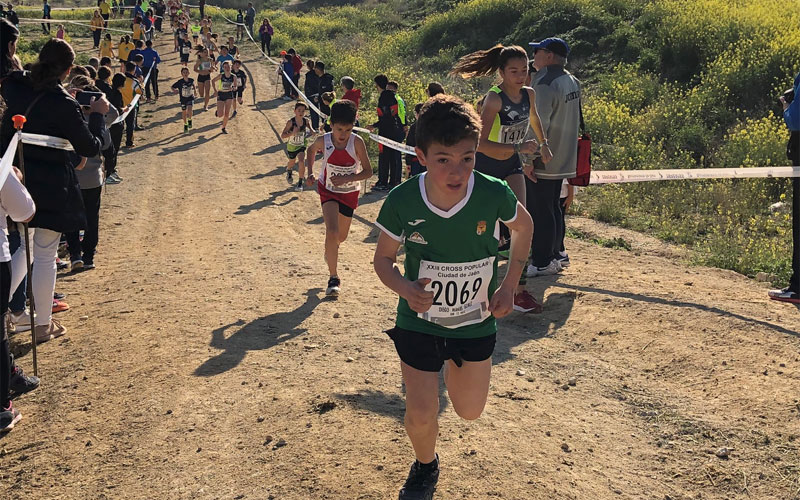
(54, 60)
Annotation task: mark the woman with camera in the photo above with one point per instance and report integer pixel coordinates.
(791, 115)
(50, 174)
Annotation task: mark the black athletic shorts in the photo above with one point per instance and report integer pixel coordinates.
(185, 58)
(498, 168)
(225, 96)
(293, 154)
(186, 102)
(428, 353)
(343, 209)
(203, 78)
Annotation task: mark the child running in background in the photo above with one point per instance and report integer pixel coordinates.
(449, 296)
(241, 80)
(185, 49)
(186, 92)
(508, 110)
(203, 67)
(225, 87)
(60, 32)
(345, 164)
(297, 131)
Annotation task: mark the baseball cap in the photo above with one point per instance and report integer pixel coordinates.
(554, 45)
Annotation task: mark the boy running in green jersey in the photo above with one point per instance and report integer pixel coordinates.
(447, 220)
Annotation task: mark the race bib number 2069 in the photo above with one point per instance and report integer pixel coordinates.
(461, 291)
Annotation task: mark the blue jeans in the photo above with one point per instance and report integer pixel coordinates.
(17, 303)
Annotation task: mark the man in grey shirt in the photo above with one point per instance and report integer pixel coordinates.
(558, 103)
(249, 17)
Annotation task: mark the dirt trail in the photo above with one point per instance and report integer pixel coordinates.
(211, 367)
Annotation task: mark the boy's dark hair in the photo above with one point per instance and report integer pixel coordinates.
(130, 67)
(79, 70)
(348, 82)
(149, 43)
(291, 51)
(393, 84)
(118, 80)
(344, 112)
(447, 120)
(381, 81)
(417, 107)
(310, 64)
(184, 69)
(105, 61)
(434, 89)
(138, 44)
(92, 72)
(138, 58)
(237, 61)
(103, 73)
(80, 81)
(319, 65)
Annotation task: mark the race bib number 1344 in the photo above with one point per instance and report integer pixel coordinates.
(461, 291)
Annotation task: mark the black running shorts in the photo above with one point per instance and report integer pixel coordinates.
(203, 78)
(428, 353)
(500, 169)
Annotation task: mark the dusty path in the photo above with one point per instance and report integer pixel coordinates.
(211, 367)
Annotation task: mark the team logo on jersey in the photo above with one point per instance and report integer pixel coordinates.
(417, 238)
(416, 222)
(481, 227)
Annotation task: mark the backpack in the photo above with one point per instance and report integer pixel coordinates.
(583, 168)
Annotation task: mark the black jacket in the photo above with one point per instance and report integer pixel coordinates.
(311, 85)
(326, 83)
(388, 123)
(49, 173)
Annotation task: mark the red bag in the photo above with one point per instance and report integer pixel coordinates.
(583, 169)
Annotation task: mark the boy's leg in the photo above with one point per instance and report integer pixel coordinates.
(468, 386)
(331, 216)
(344, 227)
(422, 410)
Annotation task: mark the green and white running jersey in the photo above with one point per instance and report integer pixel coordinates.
(456, 249)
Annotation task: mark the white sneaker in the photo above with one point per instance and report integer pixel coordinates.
(21, 321)
(552, 268)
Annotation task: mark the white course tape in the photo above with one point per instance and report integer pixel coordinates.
(29, 20)
(135, 100)
(46, 141)
(626, 176)
(5, 162)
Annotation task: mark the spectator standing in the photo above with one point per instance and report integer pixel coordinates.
(558, 95)
(791, 115)
(46, 15)
(50, 176)
(12, 16)
(311, 89)
(389, 126)
(250, 17)
(265, 32)
(161, 11)
(105, 11)
(97, 24)
(150, 64)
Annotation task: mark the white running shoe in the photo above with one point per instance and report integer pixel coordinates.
(550, 269)
(21, 321)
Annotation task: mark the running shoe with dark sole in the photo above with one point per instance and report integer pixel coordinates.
(334, 286)
(421, 482)
(21, 383)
